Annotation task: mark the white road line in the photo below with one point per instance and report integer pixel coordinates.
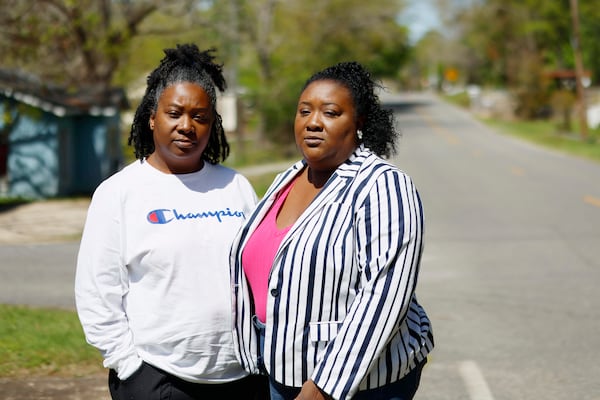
(474, 381)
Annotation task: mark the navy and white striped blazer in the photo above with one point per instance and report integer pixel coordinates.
(341, 308)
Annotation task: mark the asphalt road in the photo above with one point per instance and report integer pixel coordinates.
(511, 266)
(510, 269)
(38, 274)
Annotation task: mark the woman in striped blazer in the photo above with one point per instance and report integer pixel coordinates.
(324, 272)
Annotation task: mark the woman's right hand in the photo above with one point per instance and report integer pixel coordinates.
(310, 391)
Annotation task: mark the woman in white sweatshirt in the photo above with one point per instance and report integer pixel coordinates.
(152, 284)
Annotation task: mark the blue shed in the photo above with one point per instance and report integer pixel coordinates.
(55, 142)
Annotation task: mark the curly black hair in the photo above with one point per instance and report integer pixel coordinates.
(185, 63)
(378, 127)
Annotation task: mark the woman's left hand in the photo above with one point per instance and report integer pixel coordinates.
(310, 391)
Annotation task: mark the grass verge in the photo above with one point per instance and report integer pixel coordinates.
(44, 342)
(545, 133)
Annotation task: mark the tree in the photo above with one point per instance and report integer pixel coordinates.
(297, 37)
(534, 49)
(268, 47)
(72, 42)
(512, 44)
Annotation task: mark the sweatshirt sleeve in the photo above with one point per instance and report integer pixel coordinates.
(388, 239)
(101, 283)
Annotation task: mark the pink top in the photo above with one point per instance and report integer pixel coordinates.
(259, 253)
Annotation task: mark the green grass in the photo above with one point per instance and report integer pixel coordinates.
(546, 133)
(7, 203)
(44, 342)
(542, 132)
(261, 183)
(254, 153)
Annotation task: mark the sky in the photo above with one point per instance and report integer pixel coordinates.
(420, 16)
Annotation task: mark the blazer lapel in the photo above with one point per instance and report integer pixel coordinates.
(339, 181)
(265, 204)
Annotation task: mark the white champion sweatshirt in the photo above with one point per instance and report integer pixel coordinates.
(152, 280)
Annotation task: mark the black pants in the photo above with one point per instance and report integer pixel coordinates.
(150, 383)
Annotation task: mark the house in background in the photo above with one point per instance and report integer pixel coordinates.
(55, 142)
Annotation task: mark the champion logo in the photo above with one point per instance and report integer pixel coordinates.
(163, 216)
(159, 216)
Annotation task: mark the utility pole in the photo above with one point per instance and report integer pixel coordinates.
(583, 126)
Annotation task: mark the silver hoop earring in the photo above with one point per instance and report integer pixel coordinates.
(359, 134)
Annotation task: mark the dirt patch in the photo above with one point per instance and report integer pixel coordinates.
(91, 387)
(43, 221)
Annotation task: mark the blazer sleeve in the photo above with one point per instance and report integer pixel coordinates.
(388, 242)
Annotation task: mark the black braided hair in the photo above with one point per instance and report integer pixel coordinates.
(185, 63)
(379, 131)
